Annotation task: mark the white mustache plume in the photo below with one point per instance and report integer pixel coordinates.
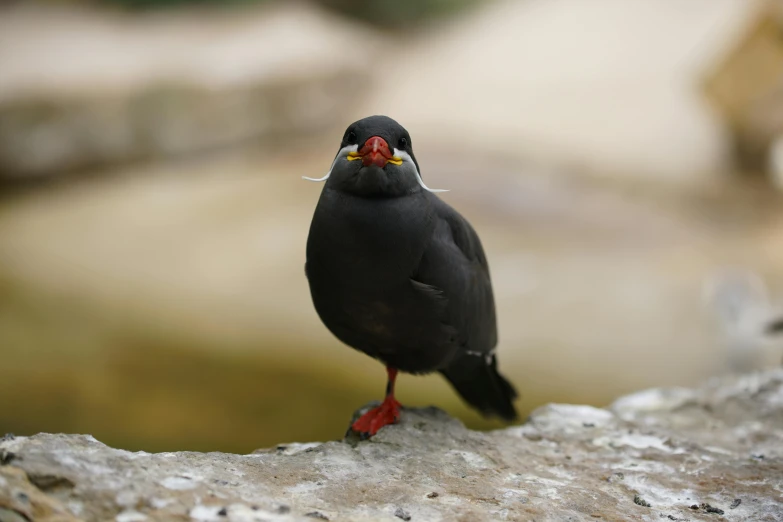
(399, 153)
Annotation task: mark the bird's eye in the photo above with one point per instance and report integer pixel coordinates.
(403, 142)
(351, 137)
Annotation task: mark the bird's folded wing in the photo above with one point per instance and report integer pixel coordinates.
(454, 265)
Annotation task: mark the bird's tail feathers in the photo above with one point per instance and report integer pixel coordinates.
(475, 377)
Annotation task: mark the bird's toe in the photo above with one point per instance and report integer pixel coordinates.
(371, 422)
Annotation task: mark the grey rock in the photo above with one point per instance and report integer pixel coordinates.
(751, 104)
(573, 78)
(682, 455)
(164, 87)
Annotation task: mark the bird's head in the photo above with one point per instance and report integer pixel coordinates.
(375, 160)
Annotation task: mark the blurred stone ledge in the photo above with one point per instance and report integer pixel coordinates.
(745, 87)
(86, 88)
(715, 453)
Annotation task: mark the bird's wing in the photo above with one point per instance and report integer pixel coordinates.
(455, 269)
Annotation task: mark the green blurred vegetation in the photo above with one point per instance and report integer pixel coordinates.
(384, 12)
(376, 12)
(152, 4)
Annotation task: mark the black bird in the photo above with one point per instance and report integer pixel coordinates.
(398, 274)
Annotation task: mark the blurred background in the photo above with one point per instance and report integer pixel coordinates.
(622, 161)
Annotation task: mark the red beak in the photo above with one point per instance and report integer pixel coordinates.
(375, 152)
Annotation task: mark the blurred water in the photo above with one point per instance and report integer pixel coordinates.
(161, 304)
(167, 307)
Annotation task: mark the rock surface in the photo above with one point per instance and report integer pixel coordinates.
(709, 454)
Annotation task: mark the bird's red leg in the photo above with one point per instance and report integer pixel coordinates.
(387, 413)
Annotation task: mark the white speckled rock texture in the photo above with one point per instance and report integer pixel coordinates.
(710, 454)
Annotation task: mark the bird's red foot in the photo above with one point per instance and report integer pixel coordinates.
(375, 419)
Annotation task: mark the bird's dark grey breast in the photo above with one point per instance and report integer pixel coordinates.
(361, 255)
